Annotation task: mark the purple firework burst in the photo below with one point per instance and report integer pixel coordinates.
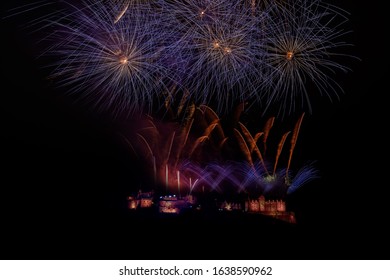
(127, 55)
(302, 49)
(110, 56)
(220, 49)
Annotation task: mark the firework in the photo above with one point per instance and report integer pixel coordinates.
(108, 59)
(306, 174)
(219, 50)
(301, 53)
(179, 154)
(128, 55)
(238, 177)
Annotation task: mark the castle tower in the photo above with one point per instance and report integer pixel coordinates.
(262, 203)
(280, 206)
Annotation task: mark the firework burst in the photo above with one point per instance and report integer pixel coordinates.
(195, 12)
(108, 59)
(302, 49)
(220, 50)
(127, 55)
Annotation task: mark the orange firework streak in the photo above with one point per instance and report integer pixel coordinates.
(182, 102)
(237, 113)
(244, 148)
(253, 145)
(256, 138)
(205, 135)
(223, 142)
(267, 127)
(169, 96)
(280, 147)
(253, 4)
(210, 113)
(210, 128)
(294, 140)
(197, 142)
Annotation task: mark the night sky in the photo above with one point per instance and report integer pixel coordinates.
(65, 172)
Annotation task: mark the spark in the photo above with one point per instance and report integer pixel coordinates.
(289, 55)
(121, 13)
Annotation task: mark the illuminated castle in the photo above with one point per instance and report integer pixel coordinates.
(230, 206)
(274, 208)
(141, 200)
(173, 204)
(262, 205)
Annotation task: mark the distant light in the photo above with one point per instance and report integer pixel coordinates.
(289, 55)
(227, 50)
(123, 60)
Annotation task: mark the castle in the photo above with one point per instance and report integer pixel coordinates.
(274, 208)
(141, 200)
(171, 204)
(166, 204)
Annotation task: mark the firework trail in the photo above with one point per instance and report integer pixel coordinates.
(121, 13)
(253, 144)
(267, 127)
(173, 151)
(280, 148)
(306, 174)
(293, 143)
(302, 49)
(243, 146)
(183, 157)
(201, 139)
(212, 116)
(255, 139)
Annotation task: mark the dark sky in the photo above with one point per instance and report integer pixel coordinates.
(65, 172)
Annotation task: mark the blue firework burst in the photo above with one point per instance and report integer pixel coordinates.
(305, 175)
